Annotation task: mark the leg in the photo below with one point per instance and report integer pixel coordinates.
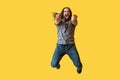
(73, 54)
(58, 54)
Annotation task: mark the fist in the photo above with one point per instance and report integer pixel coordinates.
(56, 15)
(74, 16)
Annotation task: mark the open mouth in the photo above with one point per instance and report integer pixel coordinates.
(66, 15)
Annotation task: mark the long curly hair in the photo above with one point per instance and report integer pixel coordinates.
(62, 13)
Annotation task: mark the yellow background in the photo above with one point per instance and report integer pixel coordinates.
(28, 39)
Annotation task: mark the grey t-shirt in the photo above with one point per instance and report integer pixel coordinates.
(65, 32)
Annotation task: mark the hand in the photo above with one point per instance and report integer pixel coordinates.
(54, 14)
(57, 18)
(74, 16)
(74, 19)
(58, 15)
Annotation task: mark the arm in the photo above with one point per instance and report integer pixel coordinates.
(74, 19)
(57, 18)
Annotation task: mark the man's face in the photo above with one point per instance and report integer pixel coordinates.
(66, 13)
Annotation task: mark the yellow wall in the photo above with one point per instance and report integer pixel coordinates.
(28, 39)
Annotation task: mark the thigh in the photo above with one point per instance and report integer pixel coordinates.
(59, 51)
(58, 54)
(73, 54)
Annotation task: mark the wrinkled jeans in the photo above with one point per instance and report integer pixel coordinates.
(70, 50)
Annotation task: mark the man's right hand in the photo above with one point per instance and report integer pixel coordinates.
(57, 18)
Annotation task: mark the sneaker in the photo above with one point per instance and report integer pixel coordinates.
(79, 70)
(58, 66)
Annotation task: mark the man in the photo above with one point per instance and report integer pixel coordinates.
(66, 24)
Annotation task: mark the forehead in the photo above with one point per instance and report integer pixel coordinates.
(66, 9)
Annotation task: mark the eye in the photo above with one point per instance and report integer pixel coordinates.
(65, 11)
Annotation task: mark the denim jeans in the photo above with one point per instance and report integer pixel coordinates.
(69, 49)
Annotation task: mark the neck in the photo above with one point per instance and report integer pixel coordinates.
(67, 20)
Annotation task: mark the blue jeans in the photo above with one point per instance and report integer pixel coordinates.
(69, 49)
